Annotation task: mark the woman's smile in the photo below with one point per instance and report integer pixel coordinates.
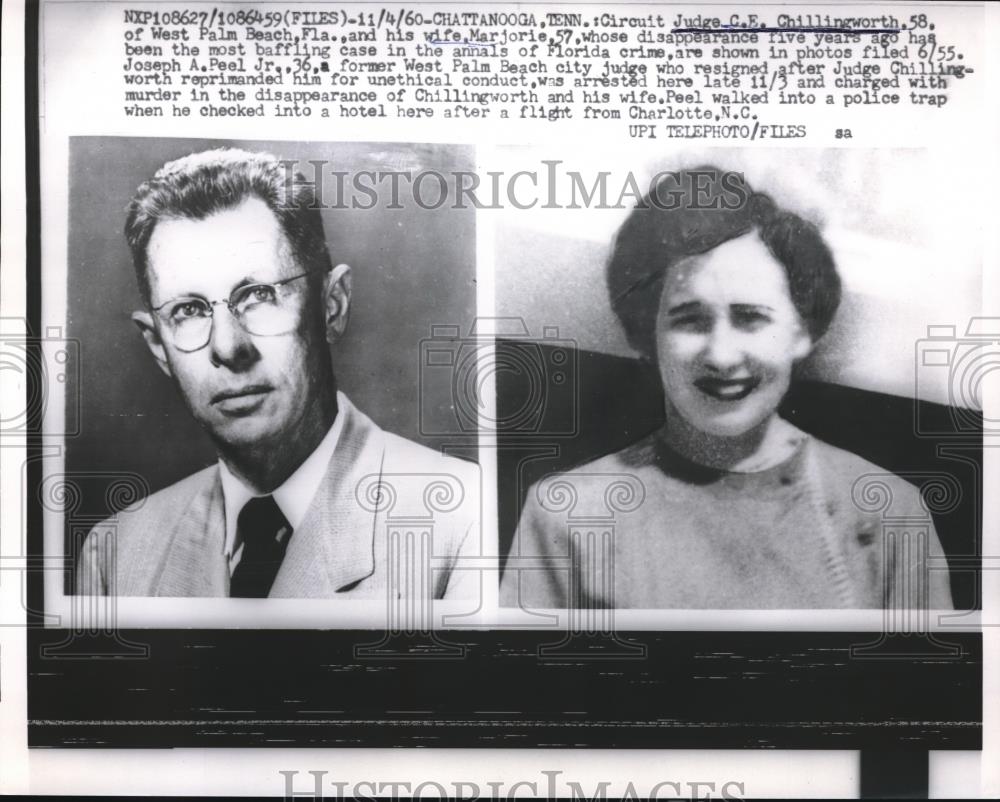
(726, 389)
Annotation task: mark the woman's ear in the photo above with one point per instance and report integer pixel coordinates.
(147, 326)
(337, 301)
(802, 345)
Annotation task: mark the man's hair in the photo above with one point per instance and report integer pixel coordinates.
(710, 207)
(202, 184)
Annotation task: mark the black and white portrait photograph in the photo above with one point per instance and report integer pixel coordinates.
(251, 325)
(746, 419)
(499, 401)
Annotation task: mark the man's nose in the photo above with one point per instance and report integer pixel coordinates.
(230, 344)
(723, 349)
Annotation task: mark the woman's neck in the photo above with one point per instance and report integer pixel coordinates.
(768, 444)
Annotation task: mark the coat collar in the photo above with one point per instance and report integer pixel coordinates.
(331, 550)
(195, 564)
(334, 547)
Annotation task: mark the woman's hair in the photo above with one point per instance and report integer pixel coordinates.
(690, 212)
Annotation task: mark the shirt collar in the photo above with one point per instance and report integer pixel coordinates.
(294, 496)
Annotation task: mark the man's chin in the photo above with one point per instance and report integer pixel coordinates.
(250, 431)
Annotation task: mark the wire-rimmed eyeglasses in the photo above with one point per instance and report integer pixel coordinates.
(264, 310)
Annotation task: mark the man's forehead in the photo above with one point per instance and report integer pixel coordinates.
(250, 224)
(231, 245)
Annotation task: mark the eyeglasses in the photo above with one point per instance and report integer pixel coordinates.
(264, 310)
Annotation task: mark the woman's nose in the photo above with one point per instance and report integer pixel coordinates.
(722, 349)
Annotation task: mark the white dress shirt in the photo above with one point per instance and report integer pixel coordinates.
(293, 497)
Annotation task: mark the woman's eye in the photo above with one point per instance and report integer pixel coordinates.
(698, 323)
(750, 319)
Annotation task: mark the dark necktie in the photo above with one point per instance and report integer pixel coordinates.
(265, 533)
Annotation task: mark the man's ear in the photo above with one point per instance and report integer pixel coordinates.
(151, 335)
(337, 301)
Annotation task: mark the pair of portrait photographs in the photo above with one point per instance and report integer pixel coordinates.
(322, 384)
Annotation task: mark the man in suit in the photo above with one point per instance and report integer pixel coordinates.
(309, 498)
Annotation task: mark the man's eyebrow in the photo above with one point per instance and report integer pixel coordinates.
(247, 281)
(752, 307)
(687, 306)
(186, 295)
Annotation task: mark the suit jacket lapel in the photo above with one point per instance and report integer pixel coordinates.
(195, 564)
(333, 548)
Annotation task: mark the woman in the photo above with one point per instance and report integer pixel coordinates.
(728, 505)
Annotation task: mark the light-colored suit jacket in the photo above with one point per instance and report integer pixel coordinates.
(387, 511)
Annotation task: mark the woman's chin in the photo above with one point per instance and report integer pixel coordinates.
(728, 432)
(732, 425)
